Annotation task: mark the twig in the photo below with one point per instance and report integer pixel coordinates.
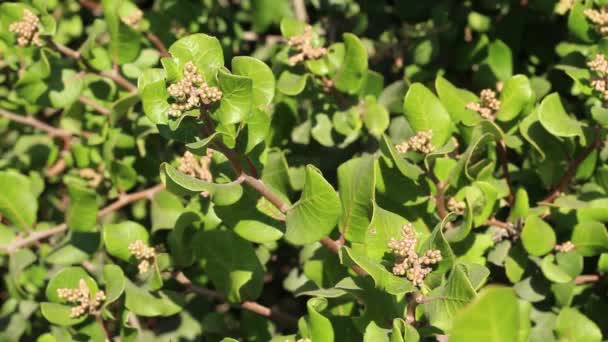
(43, 234)
(572, 167)
(110, 74)
(252, 306)
(299, 8)
(31, 121)
(96, 106)
(587, 278)
(160, 46)
(494, 222)
(92, 6)
(416, 298)
(103, 327)
(334, 247)
(501, 149)
(440, 199)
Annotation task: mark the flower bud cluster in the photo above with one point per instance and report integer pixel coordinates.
(143, 253)
(191, 91)
(599, 66)
(599, 18)
(409, 263)
(303, 44)
(133, 19)
(456, 206)
(81, 295)
(94, 178)
(421, 142)
(200, 168)
(488, 106)
(565, 247)
(27, 29)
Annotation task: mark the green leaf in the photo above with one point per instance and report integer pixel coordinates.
(124, 40)
(590, 238)
(147, 304)
(352, 72)
(406, 168)
(375, 117)
(537, 236)
(383, 278)
(455, 100)
(494, 316)
(515, 95)
(202, 50)
(320, 327)
(60, 314)
(568, 266)
(291, 84)
(237, 97)
(573, 326)
(182, 184)
(437, 241)
(356, 184)
(383, 226)
(82, 210)
(316, 213)
(578, 24)
(117, 238)
(165, 210)
(154, 95)
(18, 202)
(424, 111)
(263, 83)
(555, 120)
(69, 89)
(322, 130)
(231, 264)
(292, 27)
(115, 283)
(442, 304)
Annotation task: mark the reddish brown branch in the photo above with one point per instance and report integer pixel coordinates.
(571, 170)
(96, 106)
(252, 306)
(501, 149)
(587, 278)
(160, 46)
(44, 234)
(440, 200)
(31, 121)
(110, 74)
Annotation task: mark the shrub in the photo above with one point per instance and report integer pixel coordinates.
(303, 171)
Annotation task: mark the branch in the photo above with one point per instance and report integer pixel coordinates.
(96, 106)
(501, 148)
(43, 234)
(571, 170)
(112, 75)
(31, 121)
(415, 299)
(160, 46)
(252, 306)
(586, 278)
(440, 200)
(299, 7)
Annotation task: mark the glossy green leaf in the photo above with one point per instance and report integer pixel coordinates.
(262, 78)
(537, 236)
(291, 84)
(117, 238)
(18, 202)
(573, 326)
(356, 184)
(424, 112)
(515, 95)
(555, 120)
(352, 72)
(590, 238)
(202, 50)
(316, 213)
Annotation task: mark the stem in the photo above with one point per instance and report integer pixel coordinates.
(501, 148)
(96, 106)
(31, 121)
(299, 8)
(587, 278)
(112, 75)
(334, 247)
(43, 234)
(160, 46)
(415, 299)
(260, 187)
(572, 167)
(252, 306)
(102, 324)
(494, 222)
(440, 200)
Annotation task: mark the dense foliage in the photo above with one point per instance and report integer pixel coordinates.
(288, 170)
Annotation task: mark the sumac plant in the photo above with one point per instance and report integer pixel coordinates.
(288, 170)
